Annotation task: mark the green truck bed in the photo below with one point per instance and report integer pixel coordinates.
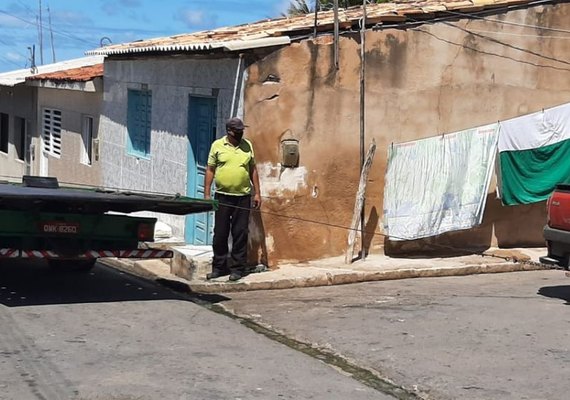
(39, 219)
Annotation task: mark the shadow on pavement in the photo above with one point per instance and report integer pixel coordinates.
(28, 283)
(556, 292)
(181, 287)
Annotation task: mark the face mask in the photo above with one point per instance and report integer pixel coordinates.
(237, 135)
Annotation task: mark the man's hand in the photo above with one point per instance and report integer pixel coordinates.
(256, 188)
(208, 179)
(256, 201)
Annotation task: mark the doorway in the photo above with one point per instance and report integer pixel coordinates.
(202, 112)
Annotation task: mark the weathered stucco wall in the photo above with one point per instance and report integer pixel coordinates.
(420, 82)
(74, 105)
(171, 81)
(17, 101)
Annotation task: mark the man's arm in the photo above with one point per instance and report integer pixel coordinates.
(208, 179)
(256, 188)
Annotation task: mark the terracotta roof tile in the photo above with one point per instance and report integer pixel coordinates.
(244, 36)
(81, 74)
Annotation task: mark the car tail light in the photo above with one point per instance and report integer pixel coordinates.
(145, 232)
(548, 210)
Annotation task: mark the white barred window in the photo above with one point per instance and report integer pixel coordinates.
(87, 140)
(51, 132)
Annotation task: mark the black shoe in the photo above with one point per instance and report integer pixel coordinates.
(216, 274)
(235, 276)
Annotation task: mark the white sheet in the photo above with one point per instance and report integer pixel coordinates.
(535, 130)
(438, 184)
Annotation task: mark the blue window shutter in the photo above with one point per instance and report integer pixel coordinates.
(147, 112)
(139, 122)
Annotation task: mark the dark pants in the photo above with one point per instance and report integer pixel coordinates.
(232, 216)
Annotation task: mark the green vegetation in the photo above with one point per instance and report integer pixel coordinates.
(301, 7)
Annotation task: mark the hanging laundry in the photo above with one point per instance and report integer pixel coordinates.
(534, 155)
(438, 184)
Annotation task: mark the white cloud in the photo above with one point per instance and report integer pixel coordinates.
(130, 3)
(8, 21)
(14, 56)
(113, 7)
(70, 18)
(193, 18)
(282, 6)
(196, 18)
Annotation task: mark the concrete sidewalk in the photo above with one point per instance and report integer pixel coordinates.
(190, 265)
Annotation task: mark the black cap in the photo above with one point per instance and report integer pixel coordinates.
(235, 124)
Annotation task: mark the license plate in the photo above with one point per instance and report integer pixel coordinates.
(58, 227)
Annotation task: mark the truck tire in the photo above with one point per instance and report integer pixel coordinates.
(72, 265)
(565, 261)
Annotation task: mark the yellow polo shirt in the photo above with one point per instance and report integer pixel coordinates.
(232, 166)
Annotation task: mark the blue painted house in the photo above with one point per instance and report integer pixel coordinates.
(164, 104)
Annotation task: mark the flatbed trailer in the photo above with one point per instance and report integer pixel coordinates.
(74, 226)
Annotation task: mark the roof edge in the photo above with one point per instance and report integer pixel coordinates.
(234, 45)
(282, 31)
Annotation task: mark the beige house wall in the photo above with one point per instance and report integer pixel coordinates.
(74, 105)
(420, 82)
(16, 102)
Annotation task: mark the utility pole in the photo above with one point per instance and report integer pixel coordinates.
(51, 37)
(40, 28)
(317, 9)
(362, 117)
(336, 38)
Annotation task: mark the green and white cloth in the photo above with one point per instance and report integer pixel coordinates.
(438, 184)
(534, 155)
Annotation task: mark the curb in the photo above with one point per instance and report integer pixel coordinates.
(328, 278)
(342, 278)
(131, 267)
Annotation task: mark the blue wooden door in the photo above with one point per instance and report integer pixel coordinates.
(201, 134)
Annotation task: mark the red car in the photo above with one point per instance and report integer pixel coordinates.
(557, 229)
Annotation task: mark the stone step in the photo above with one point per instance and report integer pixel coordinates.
(191, 262)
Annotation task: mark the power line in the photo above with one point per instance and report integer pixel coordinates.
(2, 41)
(475, 15)
(508, 44)
(445, 21)
(11, 61)
(490, 53)
(35, 24)
(520, 34)
(27, 7)
(508, 23)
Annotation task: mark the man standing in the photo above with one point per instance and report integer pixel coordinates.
(232, 163)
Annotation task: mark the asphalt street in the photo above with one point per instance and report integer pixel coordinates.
(495, 336)
(109, 335)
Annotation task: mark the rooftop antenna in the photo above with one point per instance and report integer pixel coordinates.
(51, 36)
(101, 44)
(33, 67)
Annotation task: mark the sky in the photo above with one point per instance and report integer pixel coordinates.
(81, 25)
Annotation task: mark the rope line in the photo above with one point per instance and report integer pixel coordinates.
(347, 228)
(374, 233)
